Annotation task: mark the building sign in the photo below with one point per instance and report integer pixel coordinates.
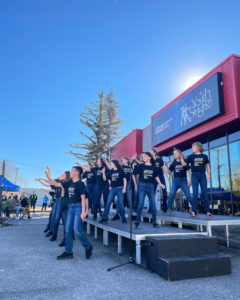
(201, 104)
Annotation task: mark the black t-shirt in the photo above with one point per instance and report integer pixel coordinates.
(65, 185)
(116, 177)
(197, 162)
(127, 171)
(75, 190)
(178, 169)
(147, 174)
(159, 164)
(90, 176)
(57, 191)
(99, 174)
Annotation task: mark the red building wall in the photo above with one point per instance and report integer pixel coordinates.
(130, 145)
(230, 69)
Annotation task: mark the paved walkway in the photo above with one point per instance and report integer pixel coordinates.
(29, 270)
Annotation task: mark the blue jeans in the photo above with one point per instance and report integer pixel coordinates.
(61, 212)
(53, 217)
(177, 183)
(98, 191)
(75, 223)
(90, 190)
(146, 189)
(128, 192)
(200, 178)
(116, 191)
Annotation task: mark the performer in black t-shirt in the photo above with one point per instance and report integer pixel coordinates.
(76, 215)
(125, 163)
(159, 164)
(198, 163)
(179, 178)
(147, 175)
(118, 184)
(101, 185)
(89, 175)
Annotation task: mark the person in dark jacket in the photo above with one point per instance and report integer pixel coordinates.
(25, 206)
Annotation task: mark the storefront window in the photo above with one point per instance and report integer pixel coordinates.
(234, 136)
(220, 168)
(220, 193)
(218, 142)
(234, 149)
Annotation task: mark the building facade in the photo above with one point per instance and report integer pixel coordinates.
(208, 112)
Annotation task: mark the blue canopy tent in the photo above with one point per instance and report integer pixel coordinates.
(9, 186)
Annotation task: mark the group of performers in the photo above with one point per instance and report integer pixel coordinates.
(79, 192)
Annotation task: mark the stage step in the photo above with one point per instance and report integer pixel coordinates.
(182, 245)
(186, 257)
(190, 267)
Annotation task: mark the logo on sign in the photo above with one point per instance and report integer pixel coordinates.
(200, 104)
(163, 126)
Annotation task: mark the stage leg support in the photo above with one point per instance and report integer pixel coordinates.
(209, 229)
(88, 228)
(119, 244)
(179, 225)
(95, 232)
(105, 237)
(227, 235)
(138, 252)
(201, 228)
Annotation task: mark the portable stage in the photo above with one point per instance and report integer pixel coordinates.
(200, 220)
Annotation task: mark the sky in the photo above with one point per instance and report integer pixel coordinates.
(57, 55)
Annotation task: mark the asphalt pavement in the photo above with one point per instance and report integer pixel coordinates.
(29, 270)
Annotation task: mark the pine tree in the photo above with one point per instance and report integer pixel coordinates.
(102, 120)
(113, 123)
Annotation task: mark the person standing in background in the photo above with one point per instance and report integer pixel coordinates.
(33, 201)
(45, 202)
(25, 206)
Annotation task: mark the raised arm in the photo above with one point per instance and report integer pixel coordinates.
(52, 181)
(83, 167)
(43, 182)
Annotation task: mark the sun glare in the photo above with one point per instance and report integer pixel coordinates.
(191, 81)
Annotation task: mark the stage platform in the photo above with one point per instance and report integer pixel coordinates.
(200, 220)
(139, 235)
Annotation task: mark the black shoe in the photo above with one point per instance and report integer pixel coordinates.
(52, 239)
(62, 244)
(116, 217)
(136, 224)
(124, 220)
(103, 220)
(29, 217)
(88, 252)
(65, 255)
(49, 234)
(46, 230)
(155, 225)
